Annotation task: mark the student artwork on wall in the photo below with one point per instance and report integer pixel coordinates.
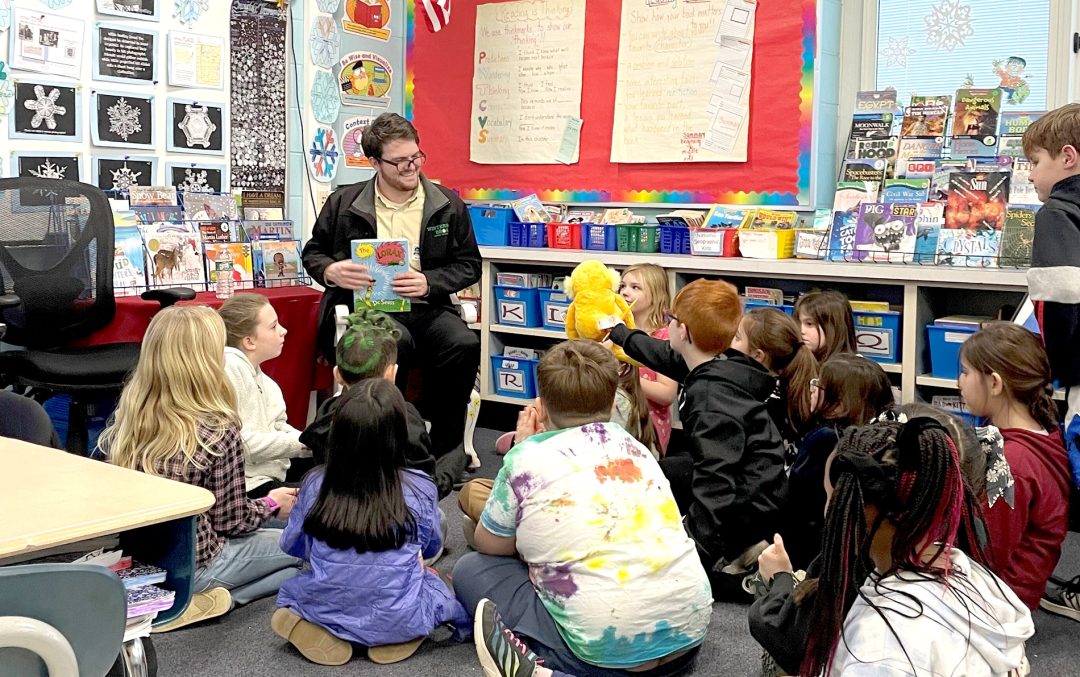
(148, 10)
(33, 164)
(364, 79)
(323, 155)
(196, 178)
(325, 42)
(125, 54)
(46, 110)
(325, 104)
(123, 120)
(195, 127)
(196, 60)
(46, 43)
(121, 172)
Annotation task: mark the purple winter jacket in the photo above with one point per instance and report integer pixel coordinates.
(372, 598)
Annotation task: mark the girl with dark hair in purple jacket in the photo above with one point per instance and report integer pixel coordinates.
(363, 524)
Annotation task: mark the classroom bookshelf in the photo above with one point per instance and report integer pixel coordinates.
(920, 292)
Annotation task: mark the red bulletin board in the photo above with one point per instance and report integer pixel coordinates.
(777, 171)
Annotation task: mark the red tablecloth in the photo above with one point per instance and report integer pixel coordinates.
(296, 370)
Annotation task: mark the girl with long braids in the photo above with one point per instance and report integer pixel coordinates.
(918, 604)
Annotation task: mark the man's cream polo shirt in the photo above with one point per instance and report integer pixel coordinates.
(401, 221)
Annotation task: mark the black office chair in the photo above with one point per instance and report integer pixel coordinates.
(56, 286)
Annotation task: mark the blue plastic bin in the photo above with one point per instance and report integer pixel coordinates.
(554, 304)
(674, 240)
(599, 237)
(750, 304)
(491, 224)
(514, 376)
(877, 335)
(528, 234)
(945, 345)
(517, 307)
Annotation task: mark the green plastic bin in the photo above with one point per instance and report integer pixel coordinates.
(638, 238)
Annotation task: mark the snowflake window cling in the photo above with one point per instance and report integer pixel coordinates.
(897, 52)
(189, 11)
(197, 126)
(948, 25)
(44, 107)
(325, 42)
(124, 119)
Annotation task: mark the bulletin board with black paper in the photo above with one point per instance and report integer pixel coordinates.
(778, 170)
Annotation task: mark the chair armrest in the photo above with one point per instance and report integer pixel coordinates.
(10, 301)
(170, 296)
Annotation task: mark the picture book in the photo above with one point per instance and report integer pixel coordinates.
(871, 217)
(1021, 189)
(152, 213)
(259, 205)
(683, 218)
(269, 230)
(384, 259)
(939, 184)
(850, 194)
(215, 231)
(277, 263)
(147, 196)
(885, 233)
(240, 253)
(976, 113)
(1012, 127)
(871, 126)
(580, 216)
(910, 150)
(210, 207)
(989, 163)
(174, 255)
(725, 217)
(863, 171)
(842, 236)
(822, 219)
(129, 260)
(770, 219)
(919, 168)
(617, 215)
(974, 217)
(529, 209)
(906, 190)
(964, 147)
(929, 219)
(1017, 237)
(926, 117)
(873, 149)
(555, 212)
(883, 101)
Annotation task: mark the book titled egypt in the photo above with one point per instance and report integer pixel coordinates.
(385, 260)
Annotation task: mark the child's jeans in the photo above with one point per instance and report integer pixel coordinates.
(250, 567)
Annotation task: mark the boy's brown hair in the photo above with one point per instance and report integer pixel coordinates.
(577, 381)
(1054, 130)
(711, 310)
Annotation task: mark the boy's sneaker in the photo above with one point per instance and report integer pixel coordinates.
(203, 606)
(1062, 599)
(500, 652)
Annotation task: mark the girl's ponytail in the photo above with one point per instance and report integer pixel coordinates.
(1043, 409)
(796, 377)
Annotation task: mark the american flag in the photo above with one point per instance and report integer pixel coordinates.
(436, 13)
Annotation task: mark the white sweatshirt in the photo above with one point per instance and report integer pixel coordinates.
(976, 627)
(269, 438)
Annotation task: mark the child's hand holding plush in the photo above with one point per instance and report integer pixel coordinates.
(593, 288)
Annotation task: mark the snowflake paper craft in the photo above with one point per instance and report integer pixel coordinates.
(948, 25)
(328, 6)
(124, 119)
(49, 171)
(194, 182)
(189, 11)
(323, 155)
(124, 178)
(197, 126)
(897, 52)
(44, 107)
(325, 42)
(325, 101)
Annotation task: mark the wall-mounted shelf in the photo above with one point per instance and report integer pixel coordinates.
(951, 384)
(527, 331)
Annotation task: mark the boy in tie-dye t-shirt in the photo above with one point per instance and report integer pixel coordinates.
(589, 511)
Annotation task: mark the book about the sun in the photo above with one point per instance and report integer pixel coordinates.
(974, 218)
(385, 259)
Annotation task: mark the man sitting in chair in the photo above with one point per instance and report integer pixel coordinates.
(401, 203)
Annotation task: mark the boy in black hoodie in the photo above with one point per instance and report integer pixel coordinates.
(1052, 144)
(738, 477)
(368, 349)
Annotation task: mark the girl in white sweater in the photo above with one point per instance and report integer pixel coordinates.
(273, 446)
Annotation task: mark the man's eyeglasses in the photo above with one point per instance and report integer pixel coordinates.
(669, 317)
(403, 164)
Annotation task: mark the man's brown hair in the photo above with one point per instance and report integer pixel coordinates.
(386, 127)
(1053, 131)
(711, 310)
(577, 381)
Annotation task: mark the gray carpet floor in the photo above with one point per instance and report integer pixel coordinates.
(242, 642)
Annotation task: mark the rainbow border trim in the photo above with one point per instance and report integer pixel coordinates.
(805, 161)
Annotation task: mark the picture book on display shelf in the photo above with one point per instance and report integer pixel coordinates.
(385, 259)
(174, 255)
(1012, 128)
(885, 232)
(926, 117)
(277, 263)
(240, 254)
(974, 218)
(269, 230)
(129, 259)
(263, 205)
(975, 122)
(210, 207)
(1017, 236)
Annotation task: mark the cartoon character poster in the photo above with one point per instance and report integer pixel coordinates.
(353, 131)
(365, 80)
(1013, 84)
(368, 18)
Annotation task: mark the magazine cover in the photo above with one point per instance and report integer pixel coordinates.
(240, 253)
(129, 261)
(926, 117)
(268, 205)
(974, 218)
(1017, 236)
(277, 263)
(906, 190)
(174, 255)
(269, 230)
(210, 207)
(385, 259)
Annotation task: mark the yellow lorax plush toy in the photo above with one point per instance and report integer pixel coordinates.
(594, 289)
